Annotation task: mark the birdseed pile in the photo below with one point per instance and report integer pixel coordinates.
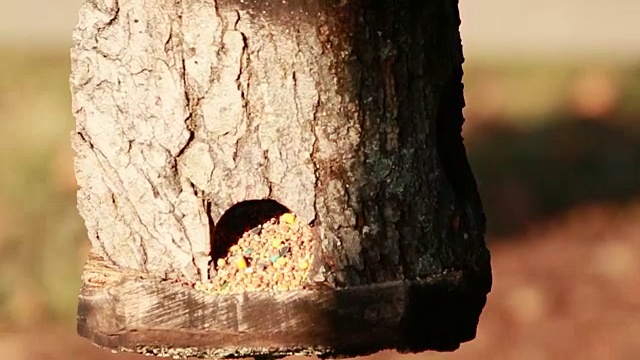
(274, 256)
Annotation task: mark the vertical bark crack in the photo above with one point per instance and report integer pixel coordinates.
(314, 157)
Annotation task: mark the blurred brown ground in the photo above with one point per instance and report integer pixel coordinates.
(554, 140)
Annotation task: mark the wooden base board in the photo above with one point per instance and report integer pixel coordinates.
(126, 312)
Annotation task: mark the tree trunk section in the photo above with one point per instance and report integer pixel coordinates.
(349, 113)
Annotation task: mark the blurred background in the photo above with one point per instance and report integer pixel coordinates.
(552, 132)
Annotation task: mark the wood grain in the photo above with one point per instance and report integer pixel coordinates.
(127, 312)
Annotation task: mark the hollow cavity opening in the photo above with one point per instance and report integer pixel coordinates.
(240, 218)
(260, 245)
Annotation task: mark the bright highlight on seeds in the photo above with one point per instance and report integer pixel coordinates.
(274, 256)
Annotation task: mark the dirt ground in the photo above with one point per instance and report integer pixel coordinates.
(568, 290)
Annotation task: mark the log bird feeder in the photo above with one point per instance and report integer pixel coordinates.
(261, 179)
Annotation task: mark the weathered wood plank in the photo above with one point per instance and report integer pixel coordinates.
(147, 315)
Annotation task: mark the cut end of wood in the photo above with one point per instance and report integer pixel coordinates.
(125, 312)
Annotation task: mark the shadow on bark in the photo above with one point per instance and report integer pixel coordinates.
(391, 41)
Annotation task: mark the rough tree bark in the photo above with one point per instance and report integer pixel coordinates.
(347, 112)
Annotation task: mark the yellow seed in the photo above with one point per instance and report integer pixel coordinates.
(234, 248)
(221, 262)
(242, 263)
(288, 218)
(303, 264)
(276, 242)
(281, 261)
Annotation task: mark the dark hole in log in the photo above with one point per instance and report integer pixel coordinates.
(240, 218)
